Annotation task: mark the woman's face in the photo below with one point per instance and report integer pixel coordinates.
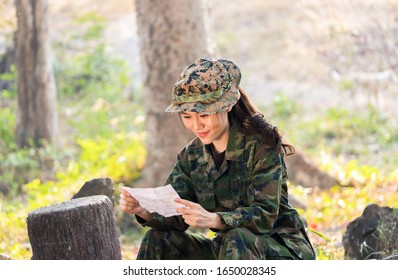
(209, 128)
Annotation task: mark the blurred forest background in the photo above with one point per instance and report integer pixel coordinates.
(325, 72)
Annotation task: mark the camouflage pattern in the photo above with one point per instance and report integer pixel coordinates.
(206, 86)
(249, 192)
(236, 244)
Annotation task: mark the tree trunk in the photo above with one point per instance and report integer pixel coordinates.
(79, 229)
(36, 110)
(168, 42)
(172, 34)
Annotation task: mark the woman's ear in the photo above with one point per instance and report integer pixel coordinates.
(229, 109)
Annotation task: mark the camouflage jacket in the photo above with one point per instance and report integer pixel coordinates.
(249, 190)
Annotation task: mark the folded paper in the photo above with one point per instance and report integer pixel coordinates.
(159, 199)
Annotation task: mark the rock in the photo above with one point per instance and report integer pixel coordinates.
(98, 186)
(374, 235)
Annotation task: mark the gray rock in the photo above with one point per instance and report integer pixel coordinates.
(373, 235)
(98, 186)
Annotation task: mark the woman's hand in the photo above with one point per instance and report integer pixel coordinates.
(196, 216)
(130, 205)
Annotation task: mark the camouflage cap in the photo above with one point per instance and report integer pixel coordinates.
(206, 86)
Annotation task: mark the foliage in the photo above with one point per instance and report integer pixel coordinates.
(85, 64)
(363, 135)
(355, 147)
(102, 131)
(9, 78)
(330, 211)
(120, 158)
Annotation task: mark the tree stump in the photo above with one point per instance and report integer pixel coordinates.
(78, 229)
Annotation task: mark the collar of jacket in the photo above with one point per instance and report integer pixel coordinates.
(235, 145)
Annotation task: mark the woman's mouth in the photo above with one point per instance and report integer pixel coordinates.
(202, 134)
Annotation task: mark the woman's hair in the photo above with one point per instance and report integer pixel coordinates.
(253, 122)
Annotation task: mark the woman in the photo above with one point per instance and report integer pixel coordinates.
(231, 178)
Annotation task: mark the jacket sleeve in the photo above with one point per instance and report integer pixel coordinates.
(180, 180)
(263, 195)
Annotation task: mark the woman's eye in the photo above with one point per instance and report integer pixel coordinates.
(204, 116)
(186, 117)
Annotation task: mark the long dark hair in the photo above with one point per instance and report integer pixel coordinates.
(252, 121)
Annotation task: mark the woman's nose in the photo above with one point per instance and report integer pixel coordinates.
(197, 124)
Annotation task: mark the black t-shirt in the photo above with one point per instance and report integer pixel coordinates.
(218, 157)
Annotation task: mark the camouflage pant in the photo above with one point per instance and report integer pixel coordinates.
(235, 244)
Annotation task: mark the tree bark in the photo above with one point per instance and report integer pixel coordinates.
(36, 110)
(172, 34)
(79, 229)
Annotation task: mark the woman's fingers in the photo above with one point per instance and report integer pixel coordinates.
(125, 195)
(187, 203)
(123, 190)
(188, 207)
(191, 210)
(127, 203)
